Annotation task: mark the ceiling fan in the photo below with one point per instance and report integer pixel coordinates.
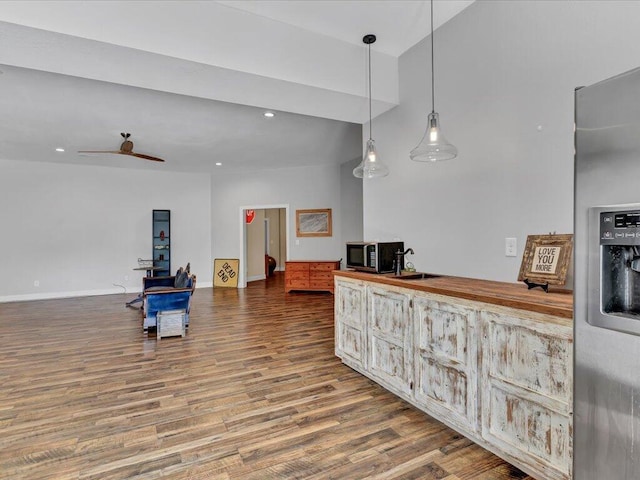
(125, 149)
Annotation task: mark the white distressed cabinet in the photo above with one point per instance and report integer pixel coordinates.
(350, 326)
(527, 383)
(389, 346)
(501, 376)
(446, 360)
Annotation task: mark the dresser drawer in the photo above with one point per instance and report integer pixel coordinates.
(296, 267)
(321, 276)
(296, 275)
(322, 267)
(310, 275)
(297, 283)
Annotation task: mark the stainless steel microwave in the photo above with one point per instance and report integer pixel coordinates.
(374, 257)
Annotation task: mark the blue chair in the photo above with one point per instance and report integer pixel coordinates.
(159, 294)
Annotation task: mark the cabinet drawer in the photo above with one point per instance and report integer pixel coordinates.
(297, 283)
(322, 267)
(296, 275)
(313, 283)
(325, 276)
(297, 267)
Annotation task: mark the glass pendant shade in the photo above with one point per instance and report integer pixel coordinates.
(358, 172)
(433, 147)
(371, 166)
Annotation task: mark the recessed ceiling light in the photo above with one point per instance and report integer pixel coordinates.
(59, 149)
(218, 164)
(269, 114)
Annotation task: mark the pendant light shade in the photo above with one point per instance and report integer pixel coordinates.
(371, 166)
(433, 147)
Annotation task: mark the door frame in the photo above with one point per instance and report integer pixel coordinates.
(242, 280)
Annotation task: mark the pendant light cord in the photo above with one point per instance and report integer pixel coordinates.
(370, 134)
(433, 96)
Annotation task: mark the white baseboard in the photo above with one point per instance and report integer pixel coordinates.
(81, 293)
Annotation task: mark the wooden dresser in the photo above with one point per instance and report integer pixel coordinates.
(310, 275)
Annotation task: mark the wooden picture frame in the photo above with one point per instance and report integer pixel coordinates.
(313, 223)
(546, 259)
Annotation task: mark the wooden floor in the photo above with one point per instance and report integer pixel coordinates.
(253, 391)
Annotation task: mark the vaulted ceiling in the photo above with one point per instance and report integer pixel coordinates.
(191, 79)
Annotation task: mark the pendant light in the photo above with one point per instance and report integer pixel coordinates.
(433, 147)
(371, 166)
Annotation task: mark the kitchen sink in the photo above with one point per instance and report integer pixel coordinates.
(415, 276)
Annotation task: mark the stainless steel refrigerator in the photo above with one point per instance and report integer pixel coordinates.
(607, 280)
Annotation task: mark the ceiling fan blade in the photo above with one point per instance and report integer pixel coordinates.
(118, 152)
(99, 151)
(125, 149)
(142, 155)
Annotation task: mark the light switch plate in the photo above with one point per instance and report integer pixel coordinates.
(510, 247)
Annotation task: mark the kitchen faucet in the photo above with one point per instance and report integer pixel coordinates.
(399, 255)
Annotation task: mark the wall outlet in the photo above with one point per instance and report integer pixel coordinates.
(36, 283)
(297, 242)
(126, 278)
(510, 247)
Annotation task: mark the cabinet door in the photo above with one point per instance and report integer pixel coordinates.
(446, 361)
(527, 383)
(389, 348)
(350, 323)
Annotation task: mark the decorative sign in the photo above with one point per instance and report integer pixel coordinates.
(225, 272)
(313, 223)
(249, 215)
(546, 259)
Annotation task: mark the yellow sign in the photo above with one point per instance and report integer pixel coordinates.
(225, 272)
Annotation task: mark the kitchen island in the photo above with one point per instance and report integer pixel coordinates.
(492, 360)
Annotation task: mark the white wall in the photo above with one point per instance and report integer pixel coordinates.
(78, 230)
(299, 188)
(351, 198)
(277, 237)
(255, 247)
(505, 77)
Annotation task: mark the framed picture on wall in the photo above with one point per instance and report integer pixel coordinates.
(313, 223)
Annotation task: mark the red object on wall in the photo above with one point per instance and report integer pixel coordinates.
(250, 215)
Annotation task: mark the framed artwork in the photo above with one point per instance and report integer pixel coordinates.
(225, 272)
(313, 223)
(546, 259)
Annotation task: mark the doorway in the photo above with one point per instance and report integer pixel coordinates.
(264, 231)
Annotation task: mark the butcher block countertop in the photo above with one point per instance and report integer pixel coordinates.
(515, 295)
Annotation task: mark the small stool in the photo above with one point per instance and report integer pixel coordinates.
(171, 323)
